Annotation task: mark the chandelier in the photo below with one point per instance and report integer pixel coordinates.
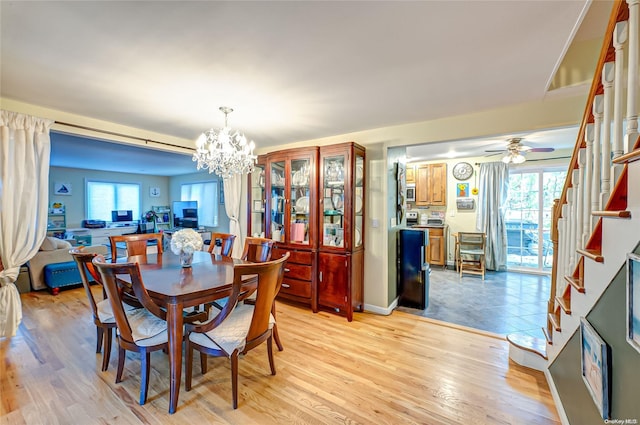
(224, 152)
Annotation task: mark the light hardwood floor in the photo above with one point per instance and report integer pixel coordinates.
(397, 369)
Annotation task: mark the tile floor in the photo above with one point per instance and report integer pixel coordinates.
(504, 303)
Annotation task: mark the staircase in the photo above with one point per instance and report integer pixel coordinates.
(597, 218)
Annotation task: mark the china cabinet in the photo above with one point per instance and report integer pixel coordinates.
(256, 207)
(291, 219)
(341, 243)
(310, 201)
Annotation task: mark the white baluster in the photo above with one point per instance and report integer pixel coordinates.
(597, 164)
(571, 225)
(632, 75)
(562, 238)
(587, 224)
(608, 72)
(580, 189)
(619, 38)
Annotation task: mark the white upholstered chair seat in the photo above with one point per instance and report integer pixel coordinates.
(105, 313)
(146, 329)
(232, 332)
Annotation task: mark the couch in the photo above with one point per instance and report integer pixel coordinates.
(53, 251)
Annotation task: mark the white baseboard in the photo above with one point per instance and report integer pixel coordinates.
(556, 398)
(381, 310)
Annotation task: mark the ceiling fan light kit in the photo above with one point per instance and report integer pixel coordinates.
(515, 148)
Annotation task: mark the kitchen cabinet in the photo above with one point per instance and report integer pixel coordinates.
(436, 250)
(341, 245)
(411, 173)
(431, 185)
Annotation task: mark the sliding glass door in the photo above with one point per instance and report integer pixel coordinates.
(528, 217)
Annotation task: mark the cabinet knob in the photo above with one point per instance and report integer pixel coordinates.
(286, 270)
(286, 285)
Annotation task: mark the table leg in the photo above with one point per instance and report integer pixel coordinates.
(174, 327)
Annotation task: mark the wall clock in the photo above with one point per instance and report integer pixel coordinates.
(462, 170)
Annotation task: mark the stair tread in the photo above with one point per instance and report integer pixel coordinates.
(555, 321)
(565, 304)
(529, 343)
(548, 336)
(576, 282)
(615, 214)
(594, 254)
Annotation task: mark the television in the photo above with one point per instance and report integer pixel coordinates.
(185, 209)
(121, 215)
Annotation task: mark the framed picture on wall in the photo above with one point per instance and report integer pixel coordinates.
(633, 300)
(596, 365)
(62, 188)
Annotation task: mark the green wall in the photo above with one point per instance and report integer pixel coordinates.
(608, 318)
(76, 202)
(394, 155)
(169, 191)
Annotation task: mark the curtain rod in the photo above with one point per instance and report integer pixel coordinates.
(113, 133)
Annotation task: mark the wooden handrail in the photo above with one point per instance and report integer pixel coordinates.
(619, 12)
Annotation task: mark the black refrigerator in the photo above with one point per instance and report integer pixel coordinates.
(413, 268)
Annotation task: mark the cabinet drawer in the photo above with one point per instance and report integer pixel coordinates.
(296, 287)
(297, 271)
(297, 257)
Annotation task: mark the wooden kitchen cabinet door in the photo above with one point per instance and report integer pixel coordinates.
(431, 185)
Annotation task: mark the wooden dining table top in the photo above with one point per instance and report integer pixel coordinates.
(164, 277)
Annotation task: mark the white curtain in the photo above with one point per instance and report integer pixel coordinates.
(232, 195)
(492, 198)
(24, 197)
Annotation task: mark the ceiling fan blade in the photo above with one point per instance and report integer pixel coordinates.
(542, 150)
(494, 154)
(496, 150)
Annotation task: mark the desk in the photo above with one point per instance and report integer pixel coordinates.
(176, 288)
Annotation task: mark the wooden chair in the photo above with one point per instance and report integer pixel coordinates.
(142, 330)
(257, 250)
(136, 244)
(101, 310)
(470, 253)
(226, 241)
(238, 328)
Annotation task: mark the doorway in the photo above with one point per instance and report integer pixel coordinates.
(528, 218)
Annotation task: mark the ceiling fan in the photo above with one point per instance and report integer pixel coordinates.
(515, 149)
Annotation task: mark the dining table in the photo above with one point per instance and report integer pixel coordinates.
(176, 288)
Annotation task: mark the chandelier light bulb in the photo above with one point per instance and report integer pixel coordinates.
(223, 153)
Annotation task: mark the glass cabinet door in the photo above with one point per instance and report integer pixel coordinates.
(333, 191)
(257, 201)
(358, 201)
(277, 201)
(300, 207)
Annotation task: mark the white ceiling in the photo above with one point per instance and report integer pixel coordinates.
(293, 71)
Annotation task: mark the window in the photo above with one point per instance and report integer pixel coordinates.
(528, 217)
(207, 196)
(104, 197)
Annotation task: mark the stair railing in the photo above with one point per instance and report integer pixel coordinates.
(591, 170)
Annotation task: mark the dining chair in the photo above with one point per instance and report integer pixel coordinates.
(136, 244)
(471, 253)
(101, 310)
(258, 250)
(142, 330)
(226, 241)
(238, 328)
